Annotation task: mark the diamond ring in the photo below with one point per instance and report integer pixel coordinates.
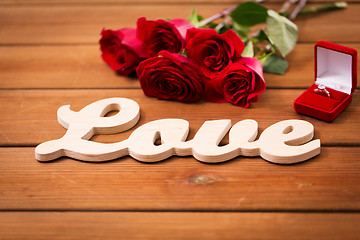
(321, 90)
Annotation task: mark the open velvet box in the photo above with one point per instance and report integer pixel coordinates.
(336, 70)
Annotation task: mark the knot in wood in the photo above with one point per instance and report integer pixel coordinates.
(202, 179)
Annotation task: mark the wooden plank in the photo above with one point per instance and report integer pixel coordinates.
(83, 23)
(125, 225)
(28, 117)
(81, 67)
(58, 67)
(63, 2)
(328, 182)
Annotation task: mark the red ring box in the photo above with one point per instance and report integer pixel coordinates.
(336, 69)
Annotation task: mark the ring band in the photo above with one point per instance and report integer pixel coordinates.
(321, 90)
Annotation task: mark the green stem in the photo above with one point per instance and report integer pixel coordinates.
(322, 8)
(325, 7)
(216, 16)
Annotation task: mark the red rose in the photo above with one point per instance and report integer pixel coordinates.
(170, 76)
(121, 49)
(162, 35)
(211, 50)
(238, 83)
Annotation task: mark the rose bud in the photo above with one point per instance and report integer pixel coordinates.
(170, 76)
(162, 35)
(213, 51)
(121, 49)
(238, 83)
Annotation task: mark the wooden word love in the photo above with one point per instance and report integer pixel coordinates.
(279, 143)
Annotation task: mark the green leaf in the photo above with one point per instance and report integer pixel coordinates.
(274, 63)
(221, 28)
(183, 52)
(262, 36)
(241, 30)
(249, 14)
(248, 50)
(210, 25)
(194, 18)
(282, 32)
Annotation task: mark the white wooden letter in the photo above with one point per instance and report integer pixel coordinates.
(84, 124)
(280, 142)
(142, 141)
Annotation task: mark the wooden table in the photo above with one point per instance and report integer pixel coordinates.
(49, 57)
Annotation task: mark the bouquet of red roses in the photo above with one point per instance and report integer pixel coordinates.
(176, 61)
(180, 60)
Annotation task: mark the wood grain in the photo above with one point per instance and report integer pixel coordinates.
(29, 116)
(79, 66)
(328, 182)
(76, 66)
(125, 225)
(54, 24)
